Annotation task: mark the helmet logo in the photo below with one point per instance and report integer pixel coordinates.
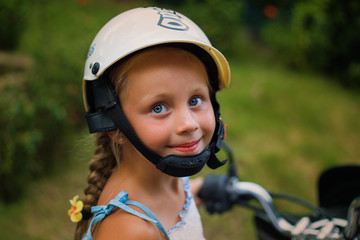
(171, 20)
(91, 50)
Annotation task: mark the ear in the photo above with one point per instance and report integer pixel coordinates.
(117, 136)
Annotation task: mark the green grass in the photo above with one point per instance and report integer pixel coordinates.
(285, 127)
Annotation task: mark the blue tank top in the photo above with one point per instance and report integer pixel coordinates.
(189, 227)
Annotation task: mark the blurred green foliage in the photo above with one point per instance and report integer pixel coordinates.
(31, 130)
(318, 35)
(12, 22)
(41, 104)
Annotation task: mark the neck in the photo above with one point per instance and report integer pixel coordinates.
(144, 174)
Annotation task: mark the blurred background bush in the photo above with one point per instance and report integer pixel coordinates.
(40, 99)
(311, 48)
(317, 35)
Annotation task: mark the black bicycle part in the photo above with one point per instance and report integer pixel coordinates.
(337, 187)
(214, 194)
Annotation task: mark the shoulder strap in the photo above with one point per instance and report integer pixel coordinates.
(121, 202)
(150, 214)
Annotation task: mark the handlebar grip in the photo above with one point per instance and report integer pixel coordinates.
(214, 194)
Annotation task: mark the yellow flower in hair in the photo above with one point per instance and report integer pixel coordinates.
(75, 210)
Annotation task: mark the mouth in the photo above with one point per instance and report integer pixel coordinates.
(187, 147)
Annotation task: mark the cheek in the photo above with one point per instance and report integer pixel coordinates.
(153, 134)
(208, 124)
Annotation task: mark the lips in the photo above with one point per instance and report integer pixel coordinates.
(186, 147)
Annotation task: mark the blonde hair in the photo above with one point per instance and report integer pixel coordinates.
(108, 152)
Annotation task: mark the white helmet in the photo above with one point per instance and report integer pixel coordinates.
(128, 33)
(140, 28)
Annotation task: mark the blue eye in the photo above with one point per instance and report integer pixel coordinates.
(195, 101)
(158, 109)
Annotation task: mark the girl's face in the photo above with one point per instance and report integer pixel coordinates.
(167, 102)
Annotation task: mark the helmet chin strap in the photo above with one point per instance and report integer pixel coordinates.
(112, 117)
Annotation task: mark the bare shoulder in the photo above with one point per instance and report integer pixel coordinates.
(123, 225)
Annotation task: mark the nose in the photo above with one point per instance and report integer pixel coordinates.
(187, 121)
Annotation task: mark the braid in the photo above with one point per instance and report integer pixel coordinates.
(101, 166)
(107, 153)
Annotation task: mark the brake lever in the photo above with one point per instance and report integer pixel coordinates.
(352, 229)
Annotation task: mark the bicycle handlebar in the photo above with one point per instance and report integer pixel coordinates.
(321, 229)
(228, 191)
(239, 189)
(220, 193)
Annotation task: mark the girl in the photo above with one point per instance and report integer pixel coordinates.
(149, 88)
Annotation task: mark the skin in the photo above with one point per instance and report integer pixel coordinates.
(168, 93)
